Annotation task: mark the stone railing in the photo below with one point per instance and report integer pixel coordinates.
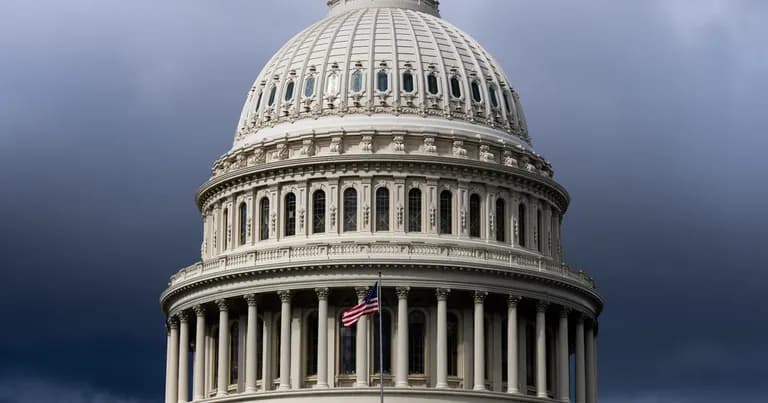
(384, 252)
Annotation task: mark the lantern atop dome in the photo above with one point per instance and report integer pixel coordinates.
(426, 6)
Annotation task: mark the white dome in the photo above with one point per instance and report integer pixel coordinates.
(393, 58)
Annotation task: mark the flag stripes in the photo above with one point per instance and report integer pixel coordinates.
(369, 306)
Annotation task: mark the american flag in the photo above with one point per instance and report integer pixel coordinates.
(369, 305)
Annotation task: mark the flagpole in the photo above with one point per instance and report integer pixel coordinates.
(381, 340)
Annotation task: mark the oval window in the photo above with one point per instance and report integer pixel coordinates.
(476, 96)
(289, 91)
(455, 87)
(382, 81)
(357, 81)
(258, 100)
(407, 82)
(507, 102)
(432, 84)
(494, 98)
(309, 87)
(272, 92)
(332, 86)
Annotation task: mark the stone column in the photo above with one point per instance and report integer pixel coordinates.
(581, 386)
(479, 340)
(541, 349)
(563, 366)
(361, 352)
(285, 340)
(401, 376)
(172, 366)
(251, 344)
(589, 355)
(183, 392)
(223, 380)
(198, 373)
(322, 337)
(512, 360)
(442, 337)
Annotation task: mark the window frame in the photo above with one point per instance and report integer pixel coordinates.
(289, 214)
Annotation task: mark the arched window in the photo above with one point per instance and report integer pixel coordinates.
(453, 345)
(258, 101)
(408, 82)
(311, 353)
(386, 346)
(234, 344)
(508, 101)
(272, 93)
(494, 98)
(332, 85)
(455, 87)
(224, 237)
(243, 222)
(264, 219)
(500, 220)
(476, 95)
(414, 210)
(416, 336)
(382, 209)
(350, 209)
(432, 85)
(538, 229)
(356, 84)
(290, 214)
(289, 91)
(309, 86)
(318, 212)
(382, 81)
(445, 212)
(474, 215)
(521, 225)
(347, 348)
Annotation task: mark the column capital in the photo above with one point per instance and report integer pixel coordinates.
(541, 306)
(173, 322)
(402, 292)
(284, 295)
(222, 304)
(183, 316)
(513, 300)
(480, 296)
(322, 293)
(251, 299)
(565, 311)
(199, 310)
(442, 293)
(361, 291)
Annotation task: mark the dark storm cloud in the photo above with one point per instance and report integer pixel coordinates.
(652, 113)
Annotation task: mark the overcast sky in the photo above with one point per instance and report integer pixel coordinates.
(652, 112)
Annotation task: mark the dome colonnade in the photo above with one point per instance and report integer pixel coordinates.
(488, 345)
(382, 139)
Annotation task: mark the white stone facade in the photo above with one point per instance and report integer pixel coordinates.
(360, 163)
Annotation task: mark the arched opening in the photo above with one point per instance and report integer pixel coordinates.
(408, 85)
(382, 209)
(272, 93)
(382, 81)
(455, 87)
(521, 225)
(446, 212)
(243, 225)
(225, 240)
(386, 346)
(476, 94)
(318, 212)
(258, 101)
(539, 235)
(311, 345)
(416, 342)
(350, 209)
(432, 85)
(289, 91)
(414, 210)
(290, 215)
(264, 219)
(493, 96)
(332, 84)
(309, 87)
(500, 220)
(474, 215)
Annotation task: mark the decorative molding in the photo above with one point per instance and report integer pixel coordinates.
(402, 292)
(322, 293)
(284, 295)
(479, 296)
(442, 293)
(251, 299)
(222, 304)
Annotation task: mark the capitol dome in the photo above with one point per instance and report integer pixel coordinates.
(381, 141)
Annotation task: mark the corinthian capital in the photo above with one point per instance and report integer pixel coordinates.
(442, 293)
(284, 295)
(322, 293)
(222, 304)
(480, 296)
(402, 292)
(250, 299)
